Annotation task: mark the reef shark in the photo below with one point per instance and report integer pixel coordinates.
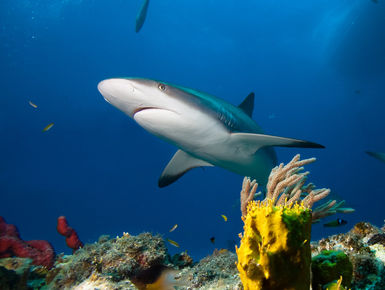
(207, 130)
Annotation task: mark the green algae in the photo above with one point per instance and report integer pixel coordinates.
(329, 266)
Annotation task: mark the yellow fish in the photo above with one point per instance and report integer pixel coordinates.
(32, 104)
(173, 243)
(173, 228)
(49, 126)
(224, 217)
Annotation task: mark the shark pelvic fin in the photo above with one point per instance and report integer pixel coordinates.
(179, 164)
(250, 143)
(247, 105)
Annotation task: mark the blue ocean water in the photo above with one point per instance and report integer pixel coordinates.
(317, 69)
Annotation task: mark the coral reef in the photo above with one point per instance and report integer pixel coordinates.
(275, 251)
(286, 185)
(275, 247)
(135, 262)
(72, 239)
(20, 273)
(11, 245)
(128, 262)
(377, 239)
(368, 259)
(140, 259)
(14, 273)
(119, 262)
(217, 271)
(329, 266)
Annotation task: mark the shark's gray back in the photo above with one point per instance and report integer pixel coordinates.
(233, 118)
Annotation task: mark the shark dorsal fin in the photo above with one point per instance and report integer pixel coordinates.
(179, 164)
(248, 105)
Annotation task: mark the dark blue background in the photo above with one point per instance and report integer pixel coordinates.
(305, 60)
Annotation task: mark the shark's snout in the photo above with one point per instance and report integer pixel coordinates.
(121, 93)
(116, 87)
(108, 89)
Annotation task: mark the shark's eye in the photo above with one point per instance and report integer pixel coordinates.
(162, 87)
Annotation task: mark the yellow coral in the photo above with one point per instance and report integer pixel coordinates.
(274, 251)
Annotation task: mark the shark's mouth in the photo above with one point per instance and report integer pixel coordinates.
(142, 109)
(107, 100)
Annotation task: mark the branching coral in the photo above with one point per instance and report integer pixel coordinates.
(286, 186)
(248, 193)
(275, 252)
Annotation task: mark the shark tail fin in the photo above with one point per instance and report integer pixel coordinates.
(179, 164)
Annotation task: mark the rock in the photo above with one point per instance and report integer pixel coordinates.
(14, 273)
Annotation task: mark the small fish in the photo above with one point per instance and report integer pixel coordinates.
(357, 92)
(224, 217)
(49, 126)
(345, 210)
(173, 228)
(212, 240)
(223, 251)
(173, 243)
(141, 17)
(336, 223)
(32, 104)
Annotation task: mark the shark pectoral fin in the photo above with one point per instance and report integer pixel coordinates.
(250, 143)
(179, 164)
(248, 105)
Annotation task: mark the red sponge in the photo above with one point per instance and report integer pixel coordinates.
(72, 238)
(41, 252)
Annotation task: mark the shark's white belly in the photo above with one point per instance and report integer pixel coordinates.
(205, 138)
(190, 131)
